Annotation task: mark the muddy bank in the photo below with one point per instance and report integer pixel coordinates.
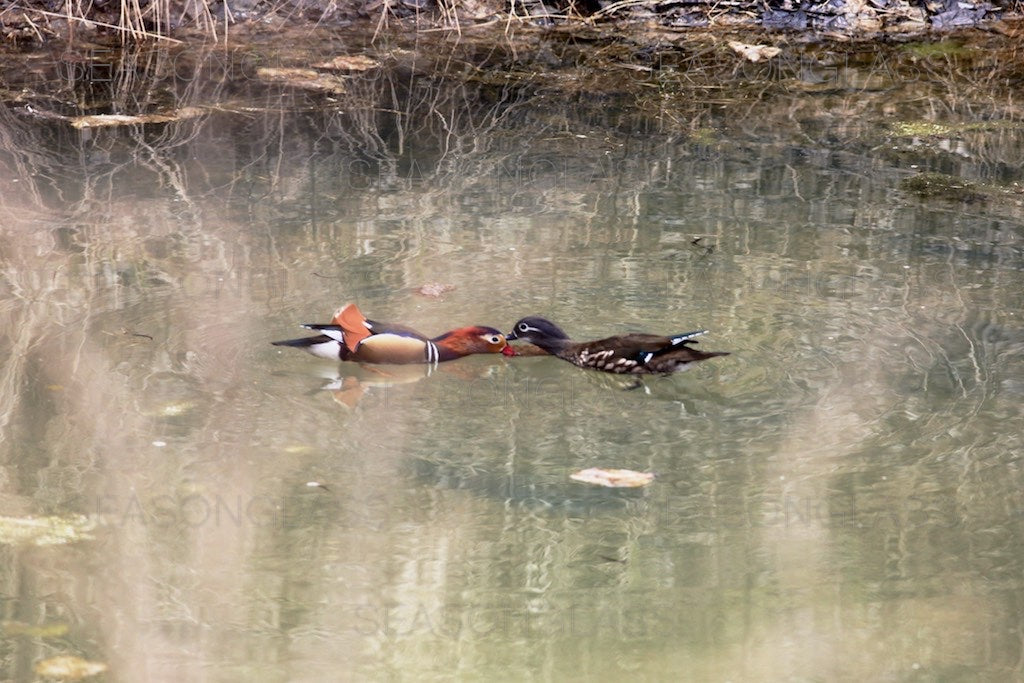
(173, 20)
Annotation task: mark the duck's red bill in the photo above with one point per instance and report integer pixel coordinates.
(508, 351)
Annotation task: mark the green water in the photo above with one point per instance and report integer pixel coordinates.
(838, 499)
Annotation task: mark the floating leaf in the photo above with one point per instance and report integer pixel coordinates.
(613, 478)
(349, 63)
(69, 667)
(45, 530)
(307, 79)
(103, 120)
(754, 53)
(287, 74)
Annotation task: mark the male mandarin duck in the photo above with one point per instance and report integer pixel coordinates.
(636, 354)
(350, 336)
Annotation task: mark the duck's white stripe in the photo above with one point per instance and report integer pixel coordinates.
(336, 335)
(688, 335)
(432, 354)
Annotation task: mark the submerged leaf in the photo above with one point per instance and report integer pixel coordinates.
(434, 290)
(69, 667)
(176, 408)
(613, 478)
(349, 63)
(19, 628)
(45, 530)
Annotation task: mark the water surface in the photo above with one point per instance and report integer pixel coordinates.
(839, 499)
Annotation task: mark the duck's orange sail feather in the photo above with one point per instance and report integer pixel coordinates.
(353, 324)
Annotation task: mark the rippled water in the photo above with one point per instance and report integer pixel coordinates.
(838, 499)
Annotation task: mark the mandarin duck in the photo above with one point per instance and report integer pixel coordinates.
(637, 354)
(350, 336)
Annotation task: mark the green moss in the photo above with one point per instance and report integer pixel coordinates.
(938, 185)
(920, 129)
(941, 48)
(705, 136)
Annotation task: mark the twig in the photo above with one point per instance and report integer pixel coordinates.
(32, 24)
(615, 7)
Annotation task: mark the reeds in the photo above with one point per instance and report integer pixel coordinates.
(132, 21)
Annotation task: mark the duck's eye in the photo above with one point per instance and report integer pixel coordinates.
(523, 327)
(495, 339)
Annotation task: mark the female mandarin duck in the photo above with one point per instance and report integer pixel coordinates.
(350, 336)
(635, 354)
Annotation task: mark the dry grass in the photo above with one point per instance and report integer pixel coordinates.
(211, 20)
